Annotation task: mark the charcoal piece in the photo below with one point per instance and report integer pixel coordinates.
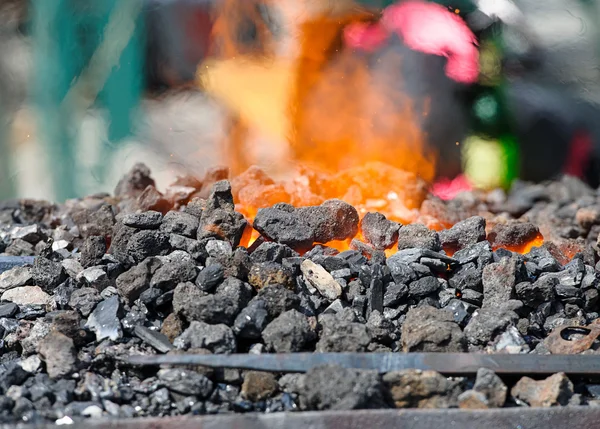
(342, 336)
(132, 283)
(221, 307)
(331, 387)
(423, 287)
(146, 243)
(282, 224)
(445, 295)
(252, 320)
(332, 220)
(512, 234)
(258, 386)
(144, 220)
(487, 323)
(463, 234)
(564, 292)
(537, 293)
(335, 307)
(8, 309)
(434, 265)
(58, 351)
(591, 278)
(27, 295)
(499, 280)
(95, 277)
(353, 258)
(472, 297)
(480, 253)
(219, 219)
(67, 323)
(104, 320)
(375, 291)
(266, 274)
(186, 382)
(461, 311)
(177, 267)
(401, 271)
(379, 231)
(134, 182)
(428, 329)
(344, 273)
(289, 332)
(272, 252)
(84, 300)
(92, 251)
(320, 279)
(210, 277)
(199, 335)
(19, 248)
(467, 276)
(180, 223)
(47, 274)
(591, 297)
(359, 305)
(511, 340)
(354, 288)
(489, 391)
(191, 246)
(412, 388)
(394, 294)
(11, 374)
(418, 236)
(278, 300)
(30, 233)
(155, 339)
(552, 391)
(95, 222)
(381, 329)
(15, 277)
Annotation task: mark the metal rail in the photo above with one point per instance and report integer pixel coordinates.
(522, 418)
(445, 363)
(8, 262)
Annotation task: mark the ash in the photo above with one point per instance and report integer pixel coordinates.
(142, 272)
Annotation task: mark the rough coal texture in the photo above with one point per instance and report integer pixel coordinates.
(143, 272)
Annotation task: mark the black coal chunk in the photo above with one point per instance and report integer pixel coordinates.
(467, 276)
(134, 183)
(132, 283)
(272, 252)
(331, 387)
(92, 251)
(342, 336)
(252, 320)
(84, 300)
(176, 267)
(219, 219)
(180, 223)
(487, 323)
(538, 292)
(332, 220)
(217, 338)
(146, 243)
(186, 382)
(464, 234)
(282, 224)
(47, 274)
(278, 299)
(289, 332)
(418, 236)
(379, 231)
(394, 294)
(428, 329)
(144, 220)
(513, 234)
(423, 287)
(210, 277)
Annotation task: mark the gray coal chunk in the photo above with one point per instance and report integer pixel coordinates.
(394, 294)
(180, 223)
(411, 388)
(145, 220)
(210, 277)
(461, 311)
(185, 382)
(12, 374)
(401, 271)
(20, 248)
(375, 291)
(252, 320)
(480, 253)
(194, 247)
(58, 351)
(330, 387)
(38, 332)
(278, 299)
(467, 276)
(332, 220)
(47, 274)
(418, 236)
(464, 234)
(282, 224)
(492, 386)
(30, 233)
(472, 297)
(499, 280)
(512, 234)
(134, 182)
(146, 243)
(133, 282)
(95, 277)
(379, 231)
(289, 332)
(428, 329)
(381, 329)
(92, 251)
(487, 323)
(104, 320)
(199, 335)
(423, 287)
(538, 292)
(176, 267)
(8, 309)
(342, 336)
(15, 277)
(155, 339)
(84, 300)
(272, 252)
(219, 219)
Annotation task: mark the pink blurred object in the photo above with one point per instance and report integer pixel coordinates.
(447, 189)
(580, 150)
(425, 27)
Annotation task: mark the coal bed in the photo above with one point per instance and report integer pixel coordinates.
(146, 273)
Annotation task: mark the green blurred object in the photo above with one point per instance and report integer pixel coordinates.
(86, 54)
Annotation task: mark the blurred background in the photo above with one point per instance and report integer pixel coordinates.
(90, 87)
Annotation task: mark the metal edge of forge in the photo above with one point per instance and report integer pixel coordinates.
(9, 262)
(521, 418)
(445, 363)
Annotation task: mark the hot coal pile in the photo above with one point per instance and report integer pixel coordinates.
(144, 272)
